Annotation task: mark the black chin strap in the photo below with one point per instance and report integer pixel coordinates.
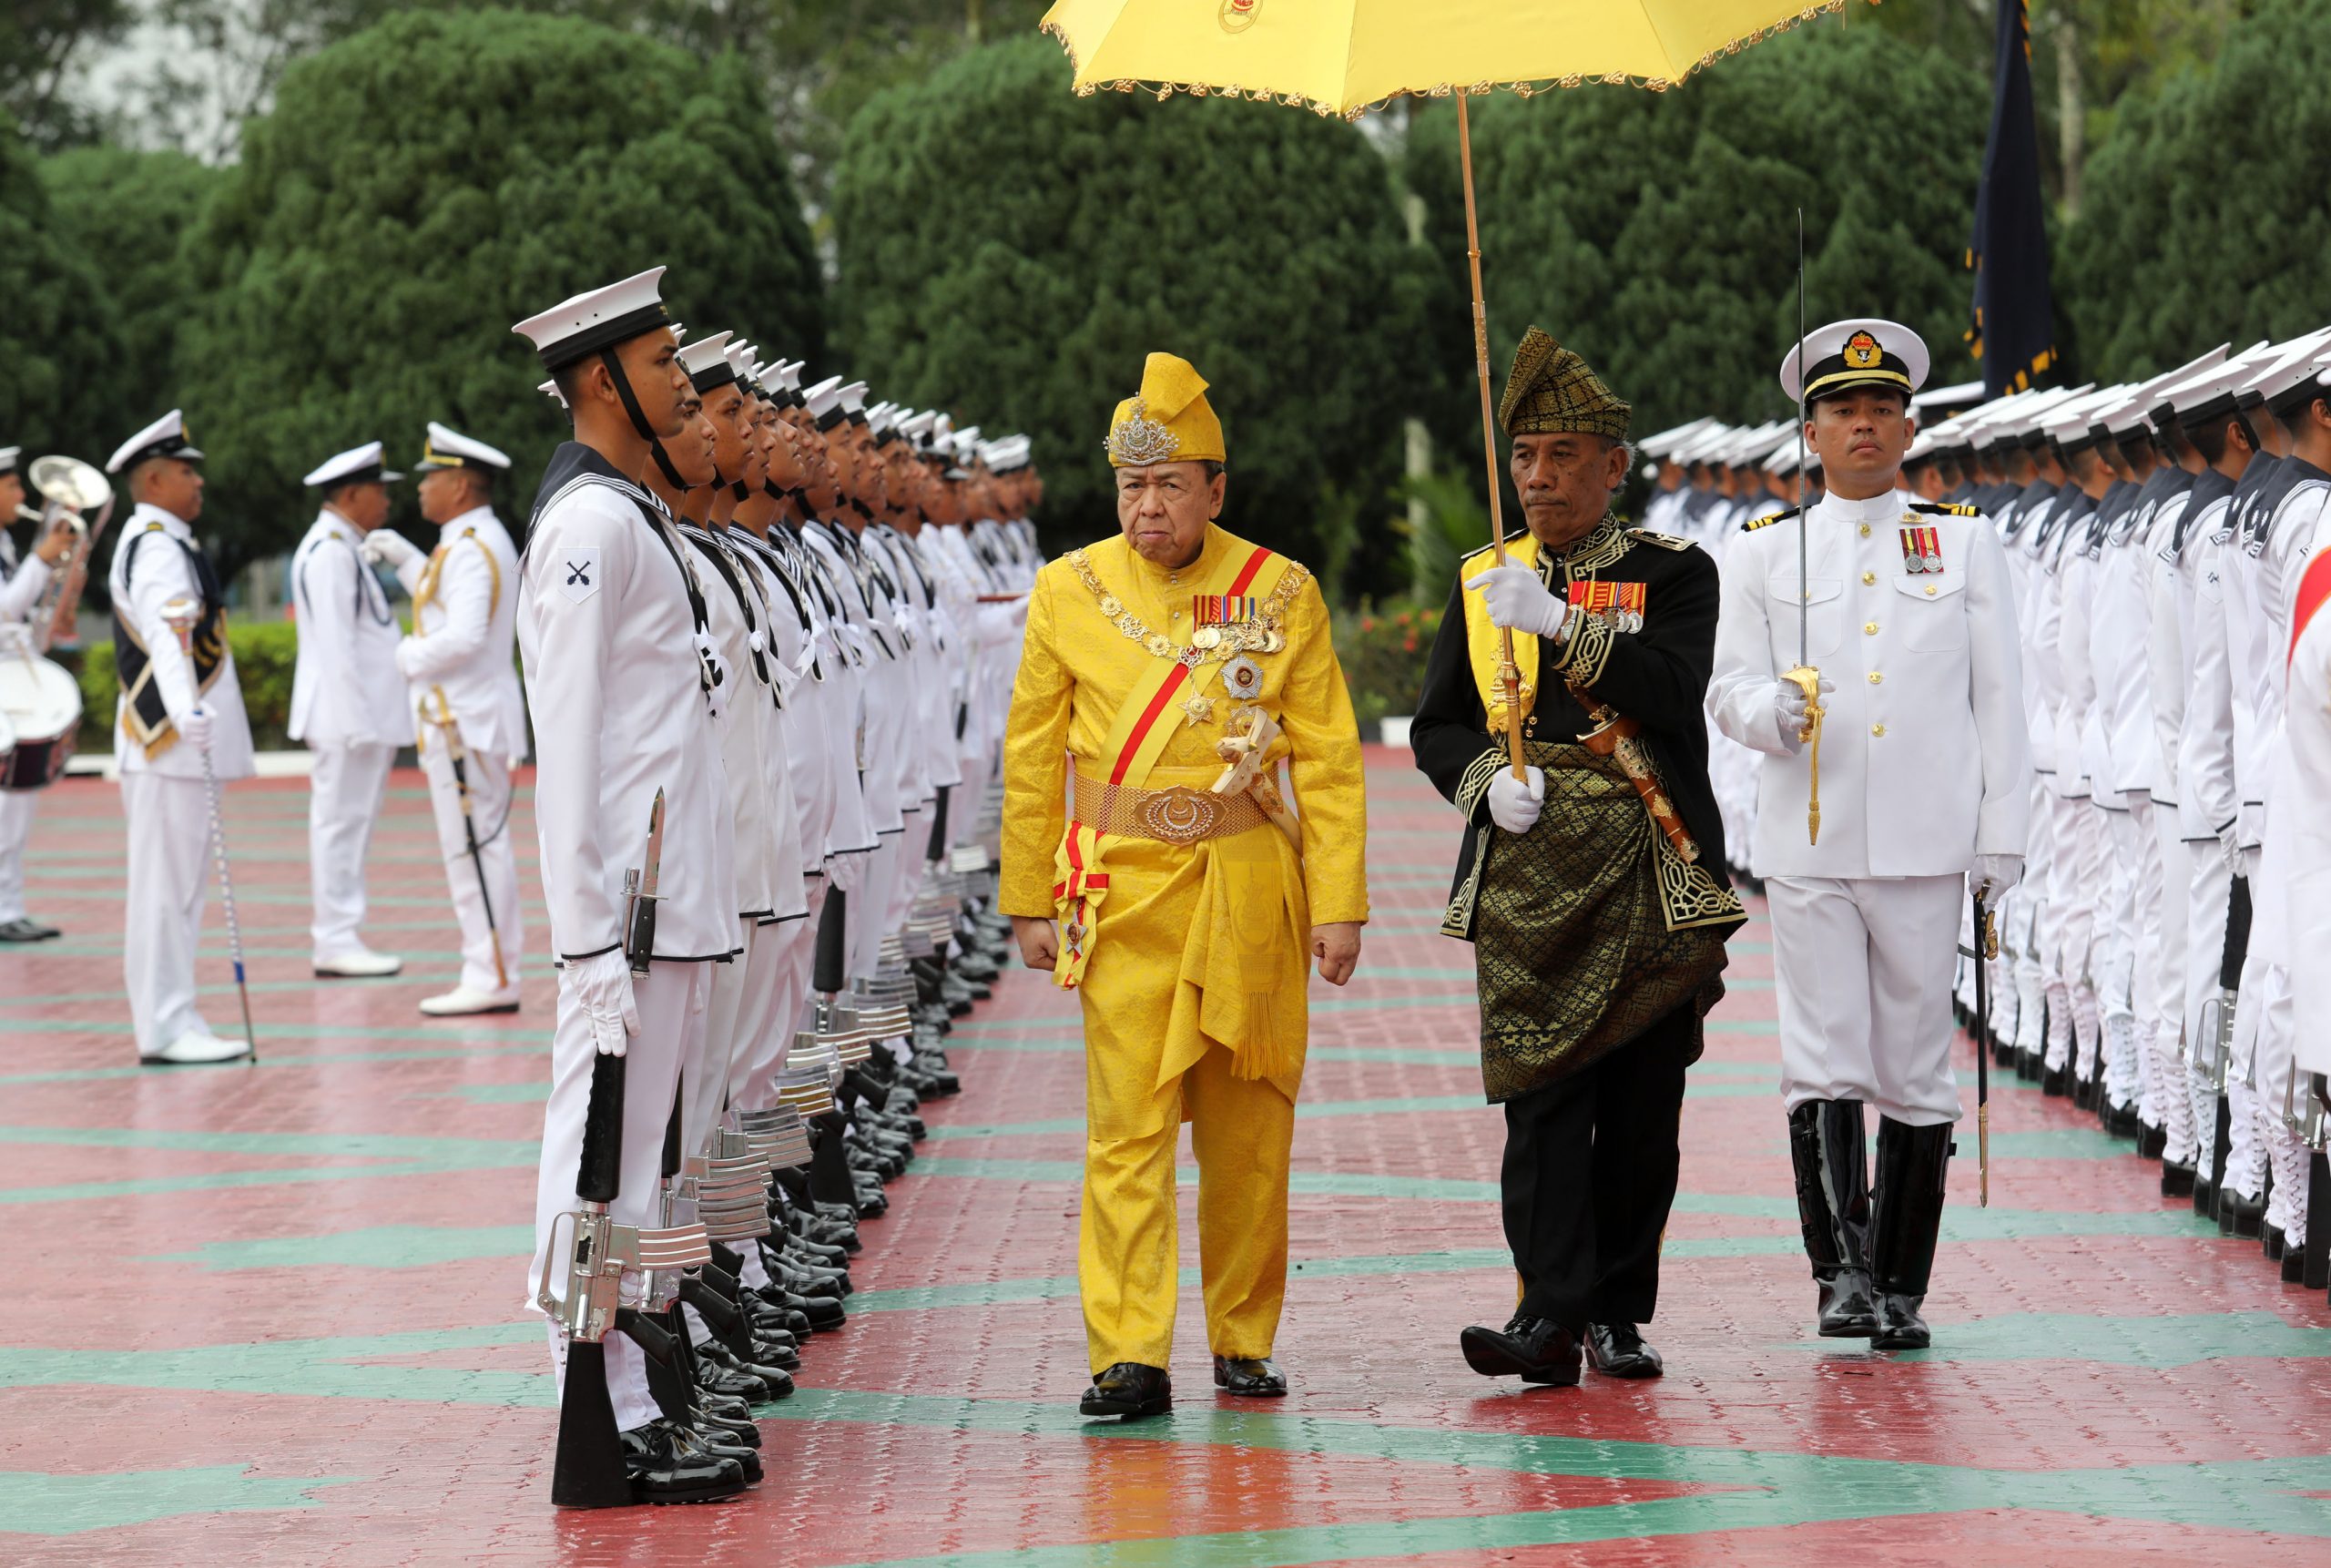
(740, 490)
(639, 420)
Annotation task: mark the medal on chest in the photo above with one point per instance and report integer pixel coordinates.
(1620, 606)
(1921, 551)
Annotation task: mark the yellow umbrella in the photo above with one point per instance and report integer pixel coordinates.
(1342, 56)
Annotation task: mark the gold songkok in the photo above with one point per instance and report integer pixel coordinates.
(1550, 389)
(1169, 421)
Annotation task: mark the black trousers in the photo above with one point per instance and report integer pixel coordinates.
(1588, 1176)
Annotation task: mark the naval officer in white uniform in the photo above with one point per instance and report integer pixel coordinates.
(468, 712)
(172, 710)
(626, 692)
(1925, 791)
(348, 701)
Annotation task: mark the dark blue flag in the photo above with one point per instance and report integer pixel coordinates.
(2013, 335)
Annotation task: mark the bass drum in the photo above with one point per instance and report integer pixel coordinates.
(40, 702)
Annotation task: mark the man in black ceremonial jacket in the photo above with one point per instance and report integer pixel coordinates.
(1593, 886)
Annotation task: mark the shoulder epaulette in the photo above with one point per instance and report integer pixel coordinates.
(153, 527)
(1518, 534)
(1665, 541)
(1755, 522)
(1944, 508)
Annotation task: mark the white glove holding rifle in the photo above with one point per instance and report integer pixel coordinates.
(602, 985)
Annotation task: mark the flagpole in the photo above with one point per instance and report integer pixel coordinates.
(1509, 674)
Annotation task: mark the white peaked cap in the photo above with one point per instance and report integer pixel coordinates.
(853, 398)
(165, 437)
(823, 398)
(1839, 356)
(881, 418)
(597, 319)
(2071, 419)
(2292, 363)
(8, 455)
(916, 427)
(358, 466)
(446, 447)
(1666, 441)
(705, 354)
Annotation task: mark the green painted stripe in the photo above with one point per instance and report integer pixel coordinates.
(36, 1503)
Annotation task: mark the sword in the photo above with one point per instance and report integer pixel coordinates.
(454, 749)
(1986, 947)
(1807, 679)
(180, 613)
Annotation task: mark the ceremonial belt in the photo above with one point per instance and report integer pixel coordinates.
(1152, 712)
(1175, 815)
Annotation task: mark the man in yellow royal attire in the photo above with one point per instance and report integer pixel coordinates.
(1152, 864)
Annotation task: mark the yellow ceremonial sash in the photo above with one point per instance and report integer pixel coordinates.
(1149, 717)
(1484, 648)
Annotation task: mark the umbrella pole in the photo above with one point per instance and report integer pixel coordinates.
(1509, 674)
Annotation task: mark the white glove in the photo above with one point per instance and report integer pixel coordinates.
(602, 983)
(1993, 875)
(387, 548)
(2230, 846)
(407, 652)
(1788, 707)
(194, 724)
(1515, 599)
(2246, 861)
(1514, 805)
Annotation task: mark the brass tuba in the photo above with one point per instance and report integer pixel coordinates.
(72, 493)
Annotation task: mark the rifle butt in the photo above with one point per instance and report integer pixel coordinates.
(588, 1471)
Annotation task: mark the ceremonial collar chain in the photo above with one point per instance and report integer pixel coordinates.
(1266, 633)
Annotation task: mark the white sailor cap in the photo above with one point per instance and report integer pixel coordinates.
(550, 390)
(2199, 399)
(1704, 447)
(2074, 423)
(364, 464)
(2291, 369)
(1865, 350)
(740, 361)
(917, 428)
(1963, 394)
(444, 447)
(576, 328)
(8, 455)
(824, 403)
(706, 363)
(853, 403)
(165, 437)
(1666, 441)
(881, 421)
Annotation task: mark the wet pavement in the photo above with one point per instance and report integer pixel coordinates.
(273, 1313)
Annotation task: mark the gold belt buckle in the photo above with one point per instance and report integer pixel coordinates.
(1180, 815)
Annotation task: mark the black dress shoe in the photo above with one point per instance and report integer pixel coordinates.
(1128, 1389)
(1249, 1377)
(2152, 1141)
(2273, 1243)
(22, 930)
(1617, 1350)
(1899, 1327)
(1535, 1350)
(2057, 1082)
(2243, 1216)
(665, 1463)
(2293, 1264)
(721, 1443)
(2176, 1179)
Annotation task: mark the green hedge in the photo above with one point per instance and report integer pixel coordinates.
(1383, 654)
(265, 653)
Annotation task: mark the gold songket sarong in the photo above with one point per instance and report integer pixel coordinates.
(1576, 950)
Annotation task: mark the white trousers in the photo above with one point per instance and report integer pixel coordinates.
(17, 807)
(2162, 987)
(776, 986)
(2123, 833)
(670, 999)
(343, 802)
(1863, 966)
(729, 1036)
(869, 902)
(489, 780)
(169, 863)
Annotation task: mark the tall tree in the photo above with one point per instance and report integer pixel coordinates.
(1012, 252)
(56, 333)
(422, 184)
(2204, 217)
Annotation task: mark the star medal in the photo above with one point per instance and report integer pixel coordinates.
(1200, 709)
(1243, 678)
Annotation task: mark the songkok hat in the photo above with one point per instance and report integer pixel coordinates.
(165, 437)
(358, 466)
(1862, 353)
(445, 448)
(576, 328)
(1168, 421)
(706, 363)
(1550, 389)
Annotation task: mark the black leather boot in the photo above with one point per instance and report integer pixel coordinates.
(1913, 1165)
(1535, 1350)
(1825, 1144)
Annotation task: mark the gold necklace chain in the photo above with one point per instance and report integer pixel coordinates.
(1265, 635)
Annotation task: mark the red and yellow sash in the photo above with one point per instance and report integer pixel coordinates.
(1150, 716)
(2314, 588)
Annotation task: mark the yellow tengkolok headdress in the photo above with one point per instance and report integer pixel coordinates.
(1169, 421)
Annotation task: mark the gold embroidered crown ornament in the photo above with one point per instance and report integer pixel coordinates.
(1167, 421)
